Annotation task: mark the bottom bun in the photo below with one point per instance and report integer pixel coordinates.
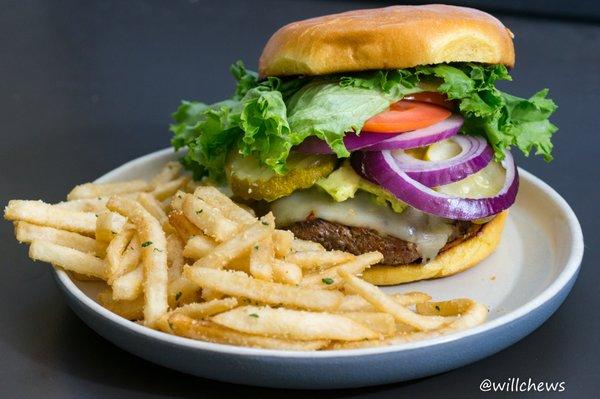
(454, 260)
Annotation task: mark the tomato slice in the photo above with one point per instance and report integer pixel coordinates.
(405, 116)
(431, 97)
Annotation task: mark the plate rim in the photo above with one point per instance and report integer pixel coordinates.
(570, 271)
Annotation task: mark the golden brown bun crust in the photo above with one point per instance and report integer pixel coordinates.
(454, 260)
(387, 38)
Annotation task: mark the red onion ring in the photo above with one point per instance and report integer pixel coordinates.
(381, 168)
(475, 155)
(385, 141)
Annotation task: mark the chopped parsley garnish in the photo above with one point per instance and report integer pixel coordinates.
(437, 308)
(327, 280)
(253, 315)
(147, 243)
(199, 212)
(177, 296)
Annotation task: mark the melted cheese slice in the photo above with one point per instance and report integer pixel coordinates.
(428, 232)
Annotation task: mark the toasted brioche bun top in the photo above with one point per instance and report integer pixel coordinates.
(387, 38)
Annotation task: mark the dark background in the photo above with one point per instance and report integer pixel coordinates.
(87, 86)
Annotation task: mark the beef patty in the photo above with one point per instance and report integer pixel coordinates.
(359, 240)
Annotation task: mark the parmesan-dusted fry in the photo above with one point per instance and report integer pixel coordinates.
(68, 258)
(108, 225)
(304, 245)
(154, 207)
(319, 259)
(181, 291)
(208, 218)
(356, 303)
(197, 310)
(95, 190)
(95, 205)
(168, 173)
(262, 258)
(175, 259)
(239, 284)
(286, 272)
(282, 242)
(41, 213)
(114, 254)
(27, 232)
(207, 331)
(231, 210)
(198, 246)
(330, 279)
(382, 323)
(129, 285)
(166, 190)
(130, 310)
(295, 324)
(182, 226)
(132, 255)
(177, 200)
(225, 252)
(384, 303)
(154, 256)
(444, 308)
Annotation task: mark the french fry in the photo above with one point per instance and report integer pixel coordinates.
(108, 225)
(304, 245)
(175, 259)
(114, 254)
(41, 213)
(330, 279)
(384, 303)
(129, 285)
(95, 190)
(294, 324)
(182, 226)
(27, 232)
(197, 310)
(282, 242)
(154, 256)
(207, 331)
(198, 246)
(382, 323)
(68, 258)
(262, 258)
(130, 310)
(356, 303)
(166, 190)
(132, 255)
(228, 208)
(225, 252)
(286, 272)
(154, 207)
(181, 291)
(208, 218)
(239, 284)
(177, 200)
(452, 307)
(168, 173)
(319, 259)
(95, 205)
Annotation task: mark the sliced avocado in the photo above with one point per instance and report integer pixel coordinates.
(344, 182)
(250, 180)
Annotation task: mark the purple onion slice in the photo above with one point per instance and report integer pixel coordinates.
(381, 168)
(386, 141)
(475, 155)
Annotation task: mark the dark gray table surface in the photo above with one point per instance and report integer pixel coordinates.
(86, 86)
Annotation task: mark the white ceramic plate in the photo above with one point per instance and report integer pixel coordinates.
(522, 283)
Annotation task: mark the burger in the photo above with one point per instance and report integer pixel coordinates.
(377, 130)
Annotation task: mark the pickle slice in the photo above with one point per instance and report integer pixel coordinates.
(250, 180)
